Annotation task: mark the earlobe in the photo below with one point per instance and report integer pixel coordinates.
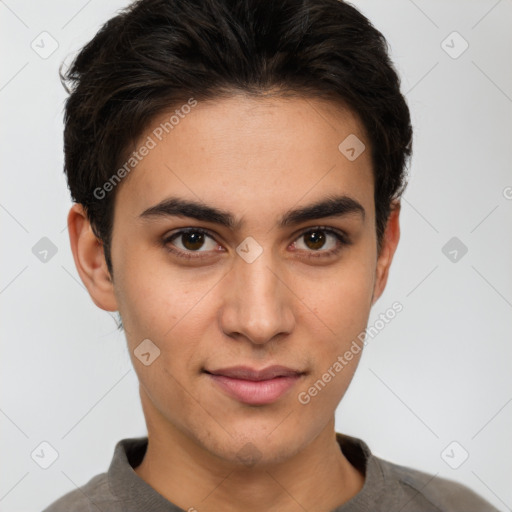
(90, 259)
(390, 241)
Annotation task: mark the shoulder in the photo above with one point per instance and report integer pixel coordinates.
(116, 490)
(389, 486)
(87, 498)
(419, 490)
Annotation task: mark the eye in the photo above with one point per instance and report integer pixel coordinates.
(186, 242)
(197, 243)
(321, 242)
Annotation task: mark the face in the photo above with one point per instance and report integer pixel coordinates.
(222, 263)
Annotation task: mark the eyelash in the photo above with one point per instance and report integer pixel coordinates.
(341, 237)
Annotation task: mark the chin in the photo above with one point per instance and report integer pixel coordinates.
(254, 448)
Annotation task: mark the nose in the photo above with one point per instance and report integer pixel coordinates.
(257, 303)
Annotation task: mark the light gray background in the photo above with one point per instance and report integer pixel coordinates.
(439, 372)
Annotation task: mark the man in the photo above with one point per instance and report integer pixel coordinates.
(236, 169)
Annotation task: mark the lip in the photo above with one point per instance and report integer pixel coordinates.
(255, 387)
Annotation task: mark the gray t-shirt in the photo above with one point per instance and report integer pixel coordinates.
(388, 487)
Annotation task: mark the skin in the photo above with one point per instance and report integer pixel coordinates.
(256, 158)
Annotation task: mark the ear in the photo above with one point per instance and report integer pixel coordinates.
(390, 240)
(90, 259)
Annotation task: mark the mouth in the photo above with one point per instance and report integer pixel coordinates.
(255, 387)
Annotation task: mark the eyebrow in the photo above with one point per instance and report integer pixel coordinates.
(332, 206)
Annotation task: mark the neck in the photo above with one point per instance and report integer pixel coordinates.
(318, 478)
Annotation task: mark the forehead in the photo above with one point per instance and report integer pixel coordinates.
(241, 153)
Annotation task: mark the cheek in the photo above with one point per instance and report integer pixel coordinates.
(172, 309)
(341, 305)
(335, 355)
(341, 298)
(166, 311)
(154, 298)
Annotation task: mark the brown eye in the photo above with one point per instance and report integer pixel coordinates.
(320, 242)
(192, 241)
(314, 239)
